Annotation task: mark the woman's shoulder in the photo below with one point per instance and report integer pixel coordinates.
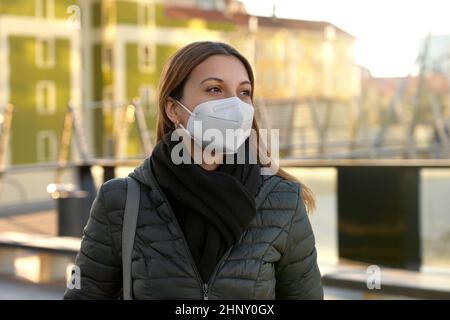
(114, 184)
(113, 194)
(283, 194)
(280, 184)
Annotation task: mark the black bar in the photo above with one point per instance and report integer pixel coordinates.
(378, 215)
(86, 183)
(108, 173)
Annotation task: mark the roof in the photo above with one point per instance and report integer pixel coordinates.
(438, 83)
(177, 12)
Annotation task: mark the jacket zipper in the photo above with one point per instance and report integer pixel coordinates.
(216, 269)
(205, 286)
(191, 259)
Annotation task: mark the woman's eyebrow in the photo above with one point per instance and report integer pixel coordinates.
(212, 78)
(220, 80)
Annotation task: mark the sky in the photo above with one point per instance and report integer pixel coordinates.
(388, 32)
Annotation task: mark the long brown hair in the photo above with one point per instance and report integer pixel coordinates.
(174, 76)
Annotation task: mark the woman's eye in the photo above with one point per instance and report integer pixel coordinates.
(246, 92)
(214, 90)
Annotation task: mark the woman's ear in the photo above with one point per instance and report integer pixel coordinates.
(171, 110)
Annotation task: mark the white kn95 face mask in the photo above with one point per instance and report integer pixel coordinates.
(224, 123)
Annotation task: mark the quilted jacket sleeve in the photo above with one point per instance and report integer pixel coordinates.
(99, 265)
(297, 272)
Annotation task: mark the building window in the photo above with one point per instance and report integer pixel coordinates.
(327, 52)
(146, 13)
(45, 53)
(205, 4)
(45, 9)
(108, 13)
(147, 58)
(147, 98)
(46, 97)
(293, 78)
(253, 24)
(281, 79)
(211, 4)
(350, 55)
(269, 46)
(281, 51)
(294, 49)
(269, 79)
(108, 58)
(108, 98)
(46, 146)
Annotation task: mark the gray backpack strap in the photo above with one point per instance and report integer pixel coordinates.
(128, 233)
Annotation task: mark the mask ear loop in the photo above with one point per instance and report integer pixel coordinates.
(197, 150)
(185, 108)
(178, 123)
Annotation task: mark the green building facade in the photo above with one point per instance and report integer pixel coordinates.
(97, 54)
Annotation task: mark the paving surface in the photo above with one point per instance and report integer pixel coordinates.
(17, 289)
(44, 222)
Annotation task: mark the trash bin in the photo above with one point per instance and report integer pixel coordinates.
(73, 211)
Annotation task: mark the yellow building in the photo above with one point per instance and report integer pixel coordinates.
(297, 59)
(292, 58)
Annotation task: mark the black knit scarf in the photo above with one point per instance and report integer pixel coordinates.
(213, 208)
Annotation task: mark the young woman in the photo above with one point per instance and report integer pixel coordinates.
(206, 230)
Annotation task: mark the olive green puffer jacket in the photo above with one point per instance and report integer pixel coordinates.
(274, 259)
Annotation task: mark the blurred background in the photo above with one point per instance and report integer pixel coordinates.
(359, 90)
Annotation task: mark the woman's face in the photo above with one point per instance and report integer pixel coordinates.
(217, 77)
